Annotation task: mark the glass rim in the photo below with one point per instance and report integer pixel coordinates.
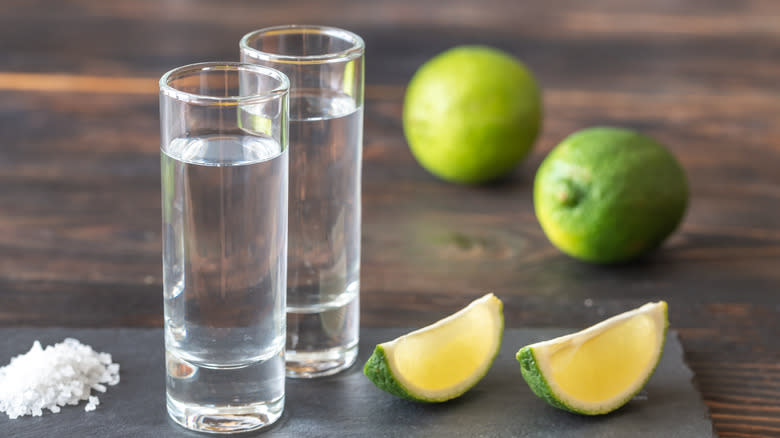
(171, 91)
(352, 52)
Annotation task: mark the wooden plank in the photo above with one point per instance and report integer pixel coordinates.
(43, 82)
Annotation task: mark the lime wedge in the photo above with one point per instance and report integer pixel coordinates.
(443, 360)
(599, 369)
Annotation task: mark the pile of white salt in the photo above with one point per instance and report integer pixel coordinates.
(59, 375)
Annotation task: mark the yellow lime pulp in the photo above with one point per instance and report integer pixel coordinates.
(603, 366)
(446, 355)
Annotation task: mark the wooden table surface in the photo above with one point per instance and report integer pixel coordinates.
(80, 179)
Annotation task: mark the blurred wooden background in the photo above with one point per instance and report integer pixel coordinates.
(80, 184)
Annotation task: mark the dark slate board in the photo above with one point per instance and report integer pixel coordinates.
(348, 405)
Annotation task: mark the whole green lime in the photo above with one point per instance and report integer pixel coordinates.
(471, 114)
(608, 195)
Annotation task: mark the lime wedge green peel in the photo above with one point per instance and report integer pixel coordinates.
(599, 369)
(443, 360)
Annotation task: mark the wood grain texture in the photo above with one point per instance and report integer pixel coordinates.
(79, 167)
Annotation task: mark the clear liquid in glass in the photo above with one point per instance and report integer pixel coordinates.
(224, 240)
(323, 281)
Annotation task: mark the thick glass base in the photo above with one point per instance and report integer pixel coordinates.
(310, 364)
(225, 419)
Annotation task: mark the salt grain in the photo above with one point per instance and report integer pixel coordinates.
(62, 374)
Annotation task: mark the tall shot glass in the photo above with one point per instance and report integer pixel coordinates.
(325, 67)
(224, 161)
